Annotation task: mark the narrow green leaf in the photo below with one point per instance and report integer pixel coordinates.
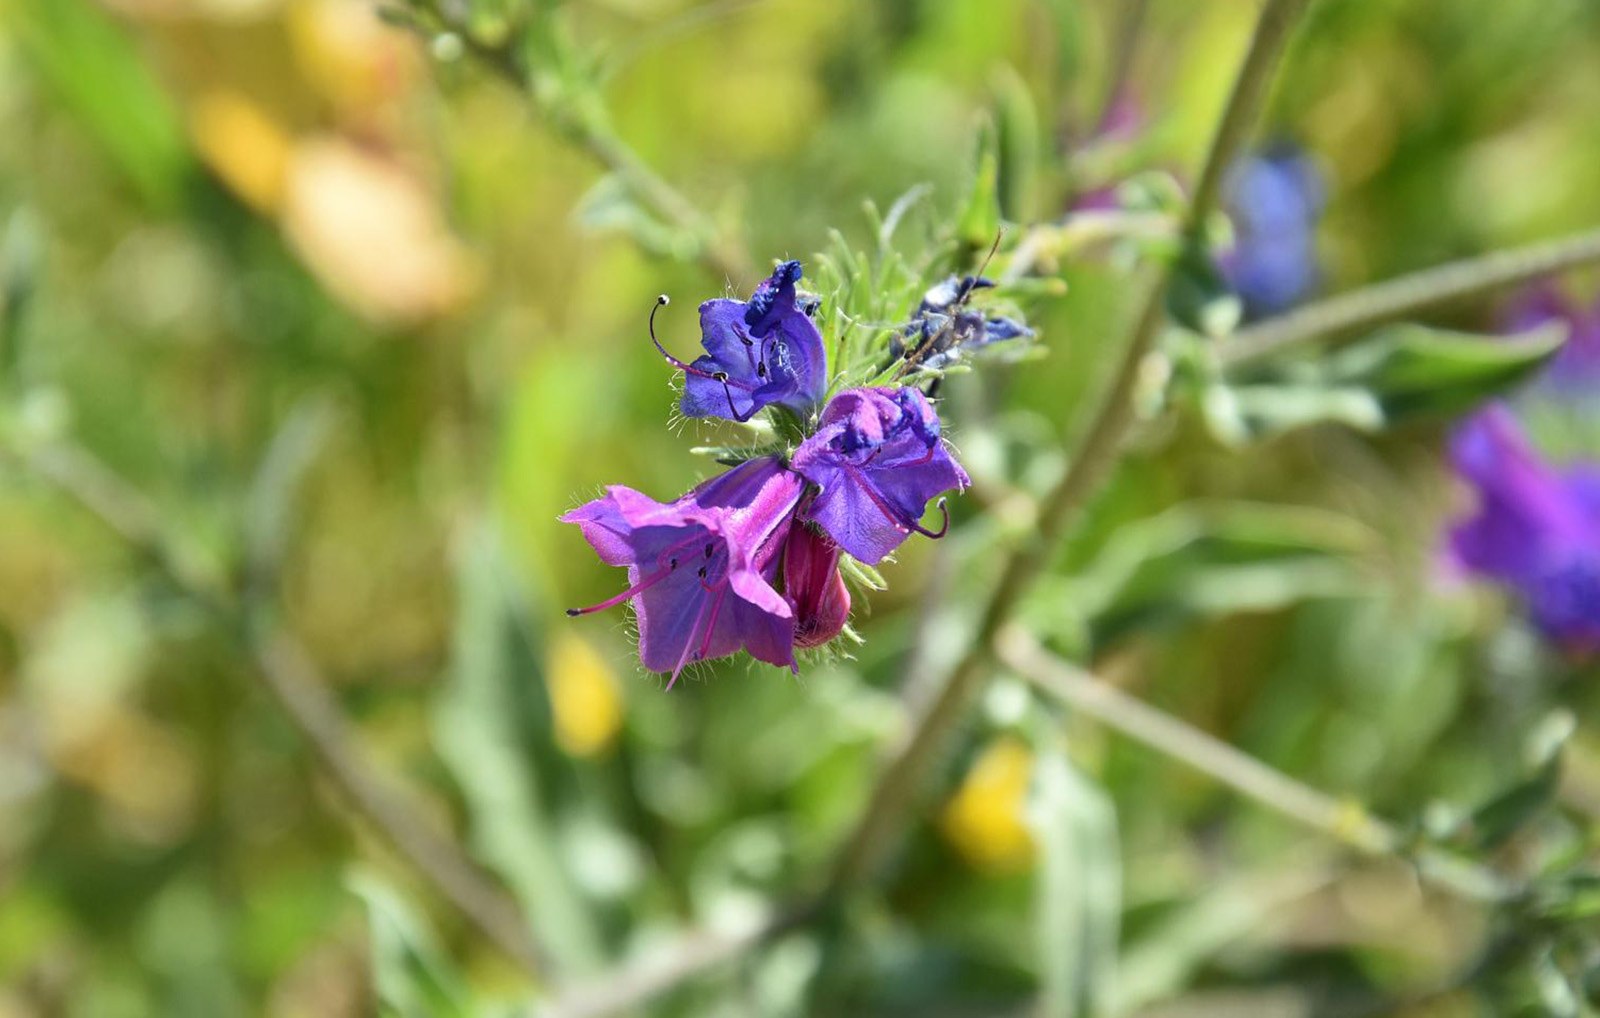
(412, 976)
(476, 728)
(1494, 823)
(1019, 145)
(979, 222)
(1413, 370)
(1079, 901)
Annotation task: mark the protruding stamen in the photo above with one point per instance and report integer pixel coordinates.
(688, 369)
(662, 301)
(894, 515)
(733, 411)
(612, 602)
(711, 625)
(944, 528)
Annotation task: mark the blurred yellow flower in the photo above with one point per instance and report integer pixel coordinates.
(243, 145)
(369, 229)
(584, 695)
(986, 819)
(350, 56)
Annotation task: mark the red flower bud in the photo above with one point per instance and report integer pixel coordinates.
(813, 587)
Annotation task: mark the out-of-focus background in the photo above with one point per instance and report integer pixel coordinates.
(314, 323)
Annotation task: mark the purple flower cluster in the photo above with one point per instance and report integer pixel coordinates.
(1536, 525)
(1536, 528)
(750, 559)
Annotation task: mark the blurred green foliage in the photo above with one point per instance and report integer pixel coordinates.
(247, 241)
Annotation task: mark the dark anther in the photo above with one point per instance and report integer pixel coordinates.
(573, 613)
(672, 563)
(710, 550)
(761, 369)
(701, 572)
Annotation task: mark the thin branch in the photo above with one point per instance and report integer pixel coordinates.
(1344, 821)
(1124, 46)
(289, 675)
(663, 968)
(1419, 291)
(877, 831)
(286, 671)
(587, 133)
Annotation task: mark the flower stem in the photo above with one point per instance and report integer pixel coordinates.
(1418, 291)
(1344, 821)
(588, 132)
(877, 831)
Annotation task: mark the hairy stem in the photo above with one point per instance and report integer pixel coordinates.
(877, 831)
(1419, 291)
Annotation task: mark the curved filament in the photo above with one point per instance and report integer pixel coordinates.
(688, 369)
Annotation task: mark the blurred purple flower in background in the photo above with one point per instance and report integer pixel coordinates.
(1536, 527)
(877, 459)
(1275, 199)
(759, 352)
(701, 569)
(1577, 365)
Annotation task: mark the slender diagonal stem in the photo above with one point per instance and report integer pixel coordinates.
(695, 951)
(587, 133)
(1406, 295)
(287, 673)
(878, 829)
(1343, 821)
(286, 670)
(1204, 752)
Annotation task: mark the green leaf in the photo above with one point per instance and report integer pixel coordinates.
(494, 683)
(1165, 956)
(979, 222)
(610, 206)
(101, 77)
(861, 575)
(1398, 373)
(1496, 821)
(20, 260)
(1079, 885)
(1413, 370)
(276, 485)
(1570, 897)
(1212, 558)
(412, 976)
(1019, 144)
(1237, 415)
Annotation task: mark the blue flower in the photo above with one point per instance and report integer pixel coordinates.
(876, 459)
(759, 353)
(1275, 200)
